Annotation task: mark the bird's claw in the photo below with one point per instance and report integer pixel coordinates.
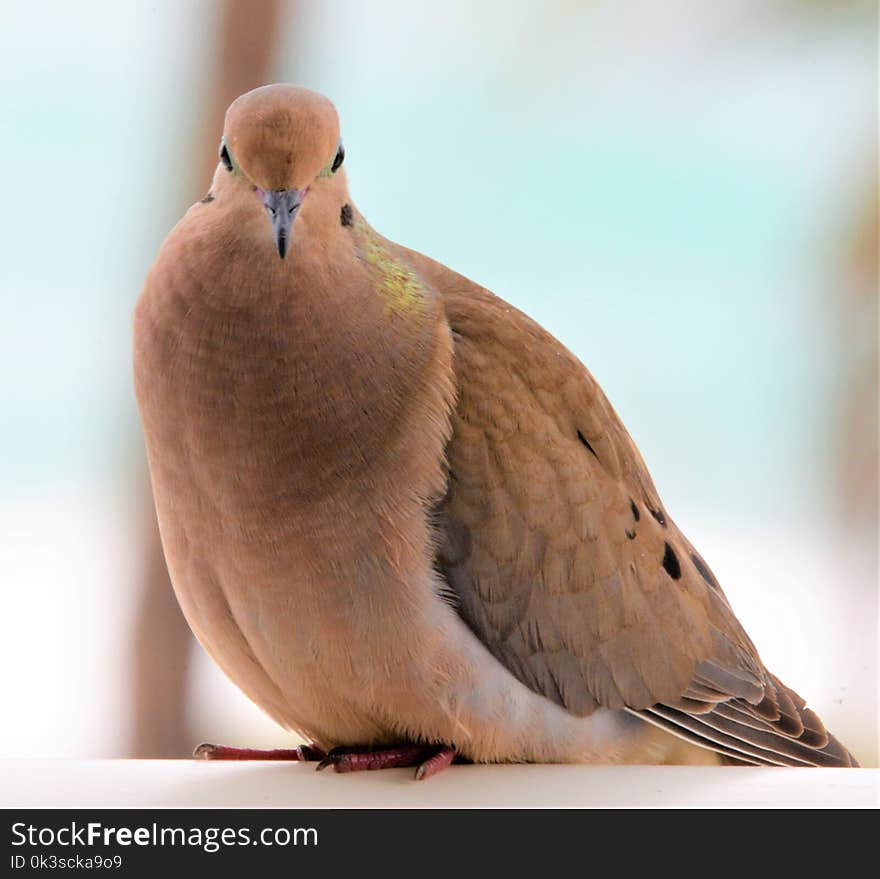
(427, 760)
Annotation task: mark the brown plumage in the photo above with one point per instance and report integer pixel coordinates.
(395, 508)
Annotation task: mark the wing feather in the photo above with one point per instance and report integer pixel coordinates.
(564, 562)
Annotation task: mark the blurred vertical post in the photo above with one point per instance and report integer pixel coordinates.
(858, 425)
(162, 643)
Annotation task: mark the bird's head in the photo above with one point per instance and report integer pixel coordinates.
(284, 140)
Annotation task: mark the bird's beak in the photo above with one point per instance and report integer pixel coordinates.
(282, 206)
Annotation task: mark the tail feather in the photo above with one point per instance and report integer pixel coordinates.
(771, 729)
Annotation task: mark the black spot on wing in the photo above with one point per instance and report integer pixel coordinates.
(635, 510)
(670, 563)
(346, 216)
(207, 199)
(658, 515)
(704, 570)
(584, 440)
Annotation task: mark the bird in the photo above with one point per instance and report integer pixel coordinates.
(400, 515)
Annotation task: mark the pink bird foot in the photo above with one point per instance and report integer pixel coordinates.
(428, 760)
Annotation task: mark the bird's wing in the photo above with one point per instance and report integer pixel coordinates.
(564, 563)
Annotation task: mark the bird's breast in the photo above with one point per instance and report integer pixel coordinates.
(292, 440)
(279, 441)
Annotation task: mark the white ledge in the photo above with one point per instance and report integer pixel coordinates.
(189, 783)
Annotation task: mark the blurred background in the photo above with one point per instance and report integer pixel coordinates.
(685, 193)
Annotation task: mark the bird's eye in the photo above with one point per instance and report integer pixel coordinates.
(340, 155)
(224, 156)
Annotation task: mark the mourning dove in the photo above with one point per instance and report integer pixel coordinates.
(400, 515)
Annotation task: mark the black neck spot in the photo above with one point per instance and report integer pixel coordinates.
(208, 199)
(583, 439)
(225, 157)
(670, 563)
(346, 215)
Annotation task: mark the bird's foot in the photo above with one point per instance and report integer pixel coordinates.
(428, 760)
(303, 753)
